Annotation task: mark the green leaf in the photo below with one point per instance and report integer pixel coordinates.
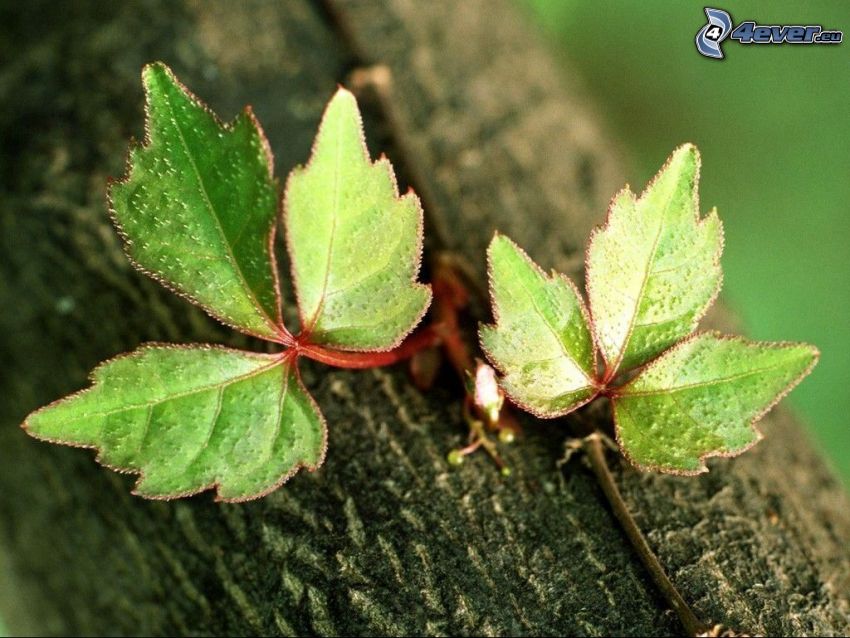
(702, 397)
(355, 245)
(193, 418)
(198, 207)
(654, 268)
(540, 342)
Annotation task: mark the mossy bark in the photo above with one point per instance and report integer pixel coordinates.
(385, 538)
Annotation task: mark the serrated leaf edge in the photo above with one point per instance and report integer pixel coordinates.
(420, 228)
(494, 326)
(777, 345)
(612, 370)
(288, 357)
(273, 322)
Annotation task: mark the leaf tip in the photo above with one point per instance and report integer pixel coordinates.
(683, 163)
(805, 356)
(501, 251)
(501, 243)
(154, 73)
(497, 239)
(810, 355)
(343, 99)
(687, 152)
(814, 351)
(341, 119)
(26, 426)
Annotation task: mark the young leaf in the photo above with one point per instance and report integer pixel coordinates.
(541, 341)
(654, 268)
(701, 399)
(192, 418)
(198, 207)
(197, 211)
(355, 245)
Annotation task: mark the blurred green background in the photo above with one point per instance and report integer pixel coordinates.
(772, 122)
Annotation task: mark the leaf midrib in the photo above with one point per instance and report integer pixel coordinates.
(284, 392)
(621, 354)
(214, 214)
(180, 395)
(548, 401)
(335, 214)
(213, 423)
(383, 267)
(700, 384)
(561, 346)
(401, 308)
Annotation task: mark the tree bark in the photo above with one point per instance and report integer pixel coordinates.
(386, 538)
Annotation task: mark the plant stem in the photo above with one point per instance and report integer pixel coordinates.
(596, 455)
(426, 337)
(450, 296)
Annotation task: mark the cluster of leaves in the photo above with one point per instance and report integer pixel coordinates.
(652, 272)
(198, 211)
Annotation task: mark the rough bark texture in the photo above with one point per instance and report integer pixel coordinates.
(385, 538)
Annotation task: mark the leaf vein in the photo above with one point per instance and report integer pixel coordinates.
(624, 346)
(552, 329)
(214, 215)
(700, 384)
(180, 395)
(334, 218)
(210, 432)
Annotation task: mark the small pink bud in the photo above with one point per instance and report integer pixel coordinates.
(488, 395)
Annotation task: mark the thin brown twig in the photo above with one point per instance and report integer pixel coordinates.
(595, 451)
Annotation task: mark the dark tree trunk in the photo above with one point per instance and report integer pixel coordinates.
(385, 538)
